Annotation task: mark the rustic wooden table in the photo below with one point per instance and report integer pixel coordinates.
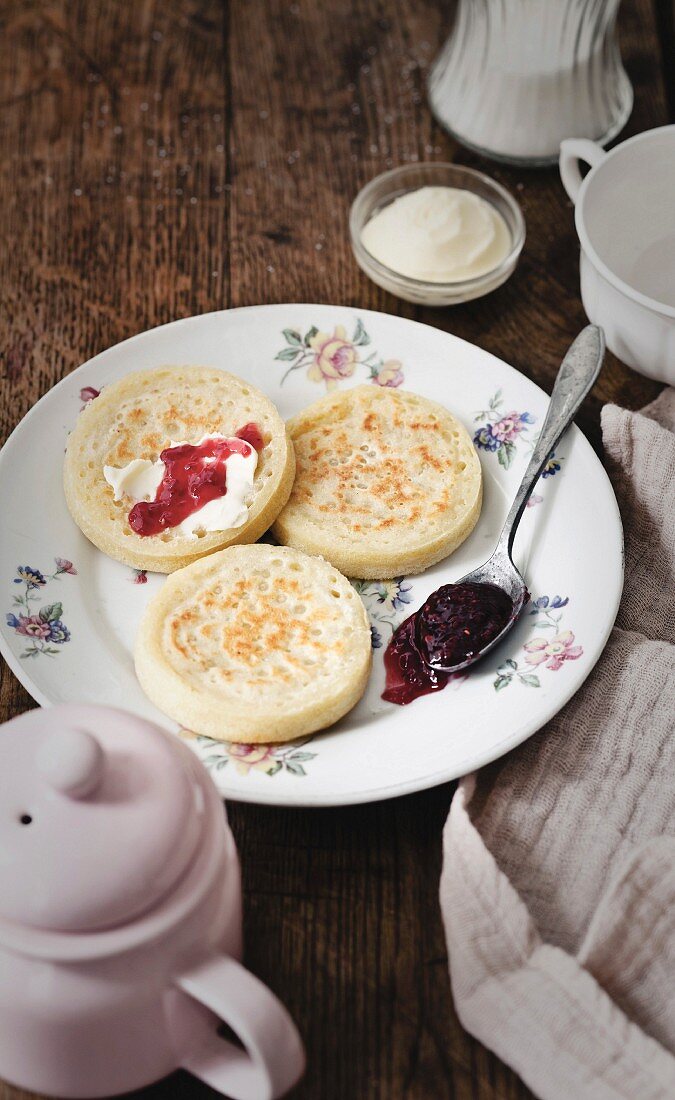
(161, 159)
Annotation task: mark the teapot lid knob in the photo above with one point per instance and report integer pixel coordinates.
(72, 762)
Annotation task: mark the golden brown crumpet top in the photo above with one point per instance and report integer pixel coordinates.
(387, 482)
(255, 643)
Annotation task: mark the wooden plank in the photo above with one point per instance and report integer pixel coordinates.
(166, 158)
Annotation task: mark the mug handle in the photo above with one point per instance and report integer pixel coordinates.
(572, 150)
(273, 1058)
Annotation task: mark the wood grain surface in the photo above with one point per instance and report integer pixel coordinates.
(162, 158)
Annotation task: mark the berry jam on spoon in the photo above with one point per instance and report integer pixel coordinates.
(461, 622)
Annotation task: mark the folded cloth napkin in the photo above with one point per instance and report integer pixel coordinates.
(558, 883)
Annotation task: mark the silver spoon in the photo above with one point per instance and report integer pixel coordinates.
(578, 372)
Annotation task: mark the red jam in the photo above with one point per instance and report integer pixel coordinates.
(408, 675)
(251, 433)
(451, 627)
(194, 474)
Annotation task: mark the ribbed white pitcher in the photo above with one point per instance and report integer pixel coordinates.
(516, 77)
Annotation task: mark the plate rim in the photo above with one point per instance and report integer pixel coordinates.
(417, 784)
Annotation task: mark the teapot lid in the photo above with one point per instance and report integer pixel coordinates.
(100, 816)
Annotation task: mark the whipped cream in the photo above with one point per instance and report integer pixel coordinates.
(140, 479)
(438, 234)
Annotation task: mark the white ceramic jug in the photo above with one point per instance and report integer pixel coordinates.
(120, 917)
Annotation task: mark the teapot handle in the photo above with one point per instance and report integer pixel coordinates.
(273, 1059)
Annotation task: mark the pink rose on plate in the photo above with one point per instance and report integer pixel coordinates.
(32, 626)
(335, 357)
(552, 652)
(389, 374)
(65, 566)
(246, 757)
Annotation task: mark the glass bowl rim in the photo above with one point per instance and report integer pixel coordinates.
(356, 224)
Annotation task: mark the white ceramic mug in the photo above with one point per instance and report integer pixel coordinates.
(625, 221)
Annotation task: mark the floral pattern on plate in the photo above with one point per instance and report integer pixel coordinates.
(384, 602)
(269, 759)
(544, 652)
(500, 431)
(552, 467)
(43, 626)
(332, 357)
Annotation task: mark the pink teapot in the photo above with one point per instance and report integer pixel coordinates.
(120, 917)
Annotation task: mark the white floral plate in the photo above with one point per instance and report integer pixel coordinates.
(71, 613)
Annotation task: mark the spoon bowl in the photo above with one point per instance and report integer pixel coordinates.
(497, 572)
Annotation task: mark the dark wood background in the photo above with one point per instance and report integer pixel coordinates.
(161, 158)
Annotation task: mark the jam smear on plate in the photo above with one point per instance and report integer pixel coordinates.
(194, 474)
(451, 627)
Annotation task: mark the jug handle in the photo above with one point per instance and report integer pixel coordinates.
(572, 150)
(273, 1058)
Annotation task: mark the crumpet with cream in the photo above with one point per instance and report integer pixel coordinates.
(169, 464)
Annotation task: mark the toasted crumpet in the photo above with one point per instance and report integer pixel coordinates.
(140, 415)
(387, 482)
(255, 644)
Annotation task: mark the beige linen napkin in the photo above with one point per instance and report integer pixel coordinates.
(558, 884)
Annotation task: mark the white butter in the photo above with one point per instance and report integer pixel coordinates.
(439, 235)
(140, 479)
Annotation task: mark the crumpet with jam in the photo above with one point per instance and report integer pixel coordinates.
(169, 464)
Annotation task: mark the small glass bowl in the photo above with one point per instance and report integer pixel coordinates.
(389, 186)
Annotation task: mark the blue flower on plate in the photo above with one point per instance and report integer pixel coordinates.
(403, 595)
(375, 638)
(543, 602)
(396, 592)
(32, 577)
(485, 439)
(552, 467)
(58, 632)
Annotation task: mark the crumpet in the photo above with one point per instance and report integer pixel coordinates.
(255, 644)
(387, 482)
(138, 417)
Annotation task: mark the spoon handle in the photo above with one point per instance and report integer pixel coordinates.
(578, 372)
